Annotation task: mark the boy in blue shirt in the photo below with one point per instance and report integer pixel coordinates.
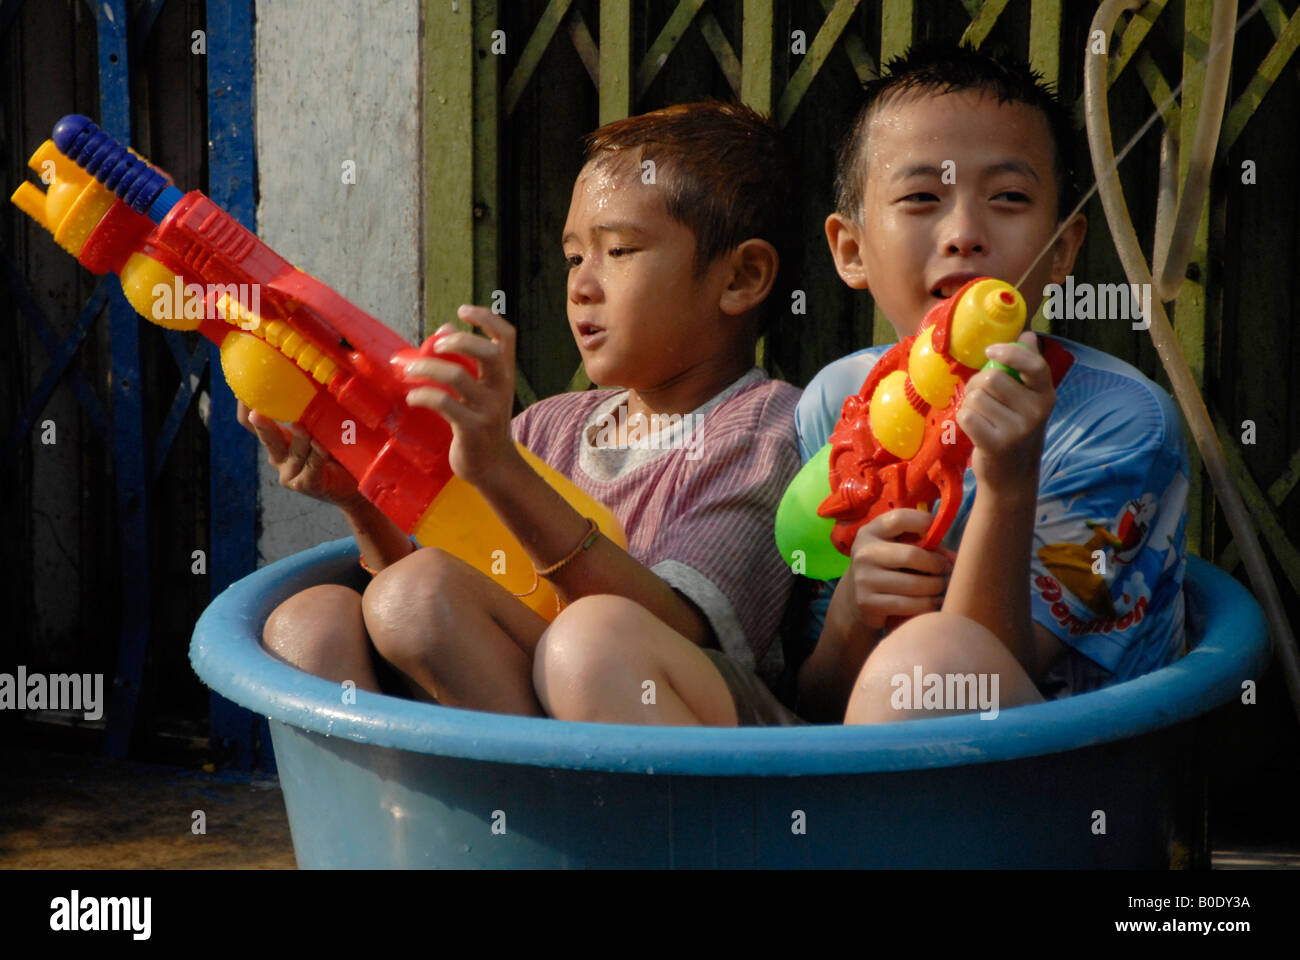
(1063, 571)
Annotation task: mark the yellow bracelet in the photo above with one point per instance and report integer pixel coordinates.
(588, 539)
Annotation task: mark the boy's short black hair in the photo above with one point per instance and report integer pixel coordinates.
(725, 171)
(947, 68)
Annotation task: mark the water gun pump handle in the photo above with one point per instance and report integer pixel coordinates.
(143, 187)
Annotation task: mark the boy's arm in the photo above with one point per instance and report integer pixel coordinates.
(547, 527)
(990, 580)
(825, 680)
(381, 541)
(1109, 551)
(1005, 421)
(307, 468)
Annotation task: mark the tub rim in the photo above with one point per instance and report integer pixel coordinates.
(226, 654)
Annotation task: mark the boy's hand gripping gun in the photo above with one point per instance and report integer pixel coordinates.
(291, 348)
(897, 443)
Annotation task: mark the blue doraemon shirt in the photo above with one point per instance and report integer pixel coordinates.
(1109, 549)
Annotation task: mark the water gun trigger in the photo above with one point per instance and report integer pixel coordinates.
(1010, 371)
(949, 481)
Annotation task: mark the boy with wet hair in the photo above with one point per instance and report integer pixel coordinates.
(673, 243)
(1063, 570)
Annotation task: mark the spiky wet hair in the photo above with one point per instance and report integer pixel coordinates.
(938, 69)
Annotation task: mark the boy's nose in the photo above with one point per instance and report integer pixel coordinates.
(964, 246)
(583, 286)
(963, 233)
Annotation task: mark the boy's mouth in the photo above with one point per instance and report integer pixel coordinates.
(950, 284)
(589, 334)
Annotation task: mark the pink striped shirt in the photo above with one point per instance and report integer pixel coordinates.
(697, 499)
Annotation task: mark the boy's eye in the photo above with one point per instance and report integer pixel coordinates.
(919, 197)
(1014, 196)
(619, 251)
(573, 260)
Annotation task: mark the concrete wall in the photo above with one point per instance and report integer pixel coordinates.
(336, 82)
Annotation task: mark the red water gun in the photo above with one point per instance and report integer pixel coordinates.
(291, 348)
(897, 443)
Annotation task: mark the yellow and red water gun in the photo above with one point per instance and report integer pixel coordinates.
(291, 348)
(897, 443)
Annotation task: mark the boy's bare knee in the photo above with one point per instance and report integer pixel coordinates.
(941, 639)
(416, 578)
(582, 655)
(584, 637)
(969, 660)
(303, 629)
(405, 604)
(595, 616)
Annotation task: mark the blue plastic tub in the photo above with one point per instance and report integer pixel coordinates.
(1107, 779)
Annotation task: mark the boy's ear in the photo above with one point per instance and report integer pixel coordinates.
(754, 265)
(1066, 247)
(845, 240)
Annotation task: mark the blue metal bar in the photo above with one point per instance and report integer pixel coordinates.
(128, 410)
(192, 366)
(179, 347)
(233, 457)
(61, 355)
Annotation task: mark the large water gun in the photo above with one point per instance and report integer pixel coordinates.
(291, 348)
(897, 443)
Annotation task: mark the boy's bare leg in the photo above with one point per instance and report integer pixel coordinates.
(321, 631)
(593, 662)
(454, 633)
(939, 643)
